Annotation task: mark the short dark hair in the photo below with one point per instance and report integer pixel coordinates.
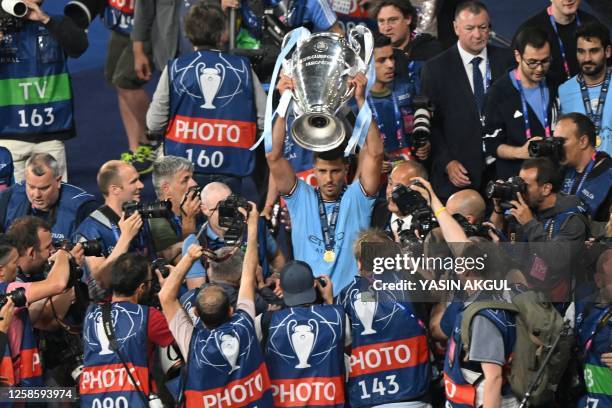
(381, 40)
(6, 247)
(213, 305)
(331, 155)
(593, 29)
(583, 124)
(23, 232)
(548, 172)
(473, 6)
(534, 36)
(128, 272)
(204, 24)
(404, 6)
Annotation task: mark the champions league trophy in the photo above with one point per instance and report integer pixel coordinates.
(209, 80)
(302, 340)
(101, 336)
(321, 66)
(230, 347)
(365, 307)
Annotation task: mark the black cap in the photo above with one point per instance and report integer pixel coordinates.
(297, 282)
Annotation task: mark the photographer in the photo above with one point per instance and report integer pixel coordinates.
(120, 339)
(44, 195)
(119, 183)
(545, 215)
(393, 330)
(588, 172)
(310, 314)
(594, 329)
(222, 351)
(28, 248)
(216, 236)
(507, 135)
(469, 204)
(230, 126)
(386, 214)
(33, 53)
(492, 331)
(173, 180)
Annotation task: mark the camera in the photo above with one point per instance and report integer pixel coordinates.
(472, 230)
(551, 147)
(194, 191)
(156, 209)
(408, 201)
(421, 132)
(161, 265)
(11, 14)
(506, 190)
(231, 218)
(92, 247)
(18, 296)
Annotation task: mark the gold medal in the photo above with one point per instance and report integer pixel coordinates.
(329, 256)
(598, 141)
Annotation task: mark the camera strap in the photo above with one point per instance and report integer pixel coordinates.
(110, 334)
(328, 229)
(525, 109)
(569, 187)
(561, 45)
(596, 117)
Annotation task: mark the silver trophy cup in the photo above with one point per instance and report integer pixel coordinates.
(321, 67)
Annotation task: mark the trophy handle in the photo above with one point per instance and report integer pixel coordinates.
(290, 325)
(314, 326)
(361, 41)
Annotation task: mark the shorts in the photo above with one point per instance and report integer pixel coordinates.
(119, 67)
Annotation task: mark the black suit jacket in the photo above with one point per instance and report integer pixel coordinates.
(456, 126)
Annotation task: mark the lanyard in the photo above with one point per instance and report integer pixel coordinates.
(600, 325)
(329, 228)
(586, 173)
(561, 46)
(399, 134)
(596, 117)
(526, 110)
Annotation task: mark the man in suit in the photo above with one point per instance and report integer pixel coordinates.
(457, 91)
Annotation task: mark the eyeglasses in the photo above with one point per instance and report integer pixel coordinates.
(533, 64)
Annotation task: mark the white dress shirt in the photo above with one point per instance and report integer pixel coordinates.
(467, 58)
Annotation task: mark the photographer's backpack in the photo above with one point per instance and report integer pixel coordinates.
(538, 325)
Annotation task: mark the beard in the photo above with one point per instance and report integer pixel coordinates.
(592, 70)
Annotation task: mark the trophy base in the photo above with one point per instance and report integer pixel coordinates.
(319, 132)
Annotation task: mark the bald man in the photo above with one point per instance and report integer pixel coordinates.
(385, 213)
(468, 203)
(212, 194)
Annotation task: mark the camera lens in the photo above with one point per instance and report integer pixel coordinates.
(318, 121)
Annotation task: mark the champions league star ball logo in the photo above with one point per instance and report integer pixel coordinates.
(209, 80)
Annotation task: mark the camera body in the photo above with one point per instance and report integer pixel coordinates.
(156, 209)
(506, 191)
(18, 296)
(161, 265)
(421, 131)
(92, 247)
(472, 230)
(194, 191)
(231, 219)
(551, 147)
(408, 201)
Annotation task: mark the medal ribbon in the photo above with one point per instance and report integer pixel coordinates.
(586, 173)
(328, 229)
(561, 46)
(526, 110)
(596, 117)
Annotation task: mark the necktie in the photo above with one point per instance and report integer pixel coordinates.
(479, 91)
(400, 224)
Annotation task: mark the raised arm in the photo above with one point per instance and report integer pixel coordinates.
(251, 260)
(168, 294)
(280, 169)
(371, 155)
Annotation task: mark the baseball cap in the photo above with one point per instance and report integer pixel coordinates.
(297, 282)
